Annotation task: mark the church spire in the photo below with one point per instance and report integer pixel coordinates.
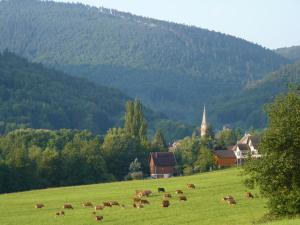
(203, 125)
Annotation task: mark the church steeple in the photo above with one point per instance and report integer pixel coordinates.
(203, 125)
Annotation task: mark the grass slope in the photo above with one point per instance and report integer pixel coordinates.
(204, 205)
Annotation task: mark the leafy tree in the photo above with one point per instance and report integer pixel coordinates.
(119, 149)
(205, 161)
(277, 173)
(135, 122)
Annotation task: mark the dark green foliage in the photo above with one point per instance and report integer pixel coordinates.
(31, 159)
(172, 68)
(33, 96)
(277, 173)
(159, 142)
(135, 122)
(120, 149)
(246, 109)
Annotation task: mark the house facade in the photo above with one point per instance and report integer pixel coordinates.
(162, 164)
(224, 158)
(246, 147)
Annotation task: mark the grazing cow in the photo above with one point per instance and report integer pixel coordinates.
(39, 206)
(227, 197)
(61, 213)
(144, 202)
(160, 189)
(68, 206)
(114, 203)
(87, 204)
(231, 201)
(107, 204)
(191, 186)
(99, 218)
(167, 195)
(99, 207)
(94, 213)
(165, 203)
(143, 193)
(182, 198)
(179, 192)
(249, 195)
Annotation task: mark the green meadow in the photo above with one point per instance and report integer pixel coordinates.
(203, 206)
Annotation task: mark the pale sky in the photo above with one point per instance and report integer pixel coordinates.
(270, 23)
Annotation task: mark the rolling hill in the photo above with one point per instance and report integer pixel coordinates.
(34, 96)
(247, 106)
(173, 68)
(203, 206)
(292, 53)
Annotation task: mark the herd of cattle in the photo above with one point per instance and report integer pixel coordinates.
(139, 201)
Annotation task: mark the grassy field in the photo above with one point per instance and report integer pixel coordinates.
(204, 205)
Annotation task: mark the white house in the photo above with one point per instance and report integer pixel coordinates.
(247, 146)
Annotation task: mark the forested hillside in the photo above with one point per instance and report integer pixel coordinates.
(247, 107)
(292, 53)
(33, 96)
(173, 68)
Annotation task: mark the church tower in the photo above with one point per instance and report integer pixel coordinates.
(203, 130)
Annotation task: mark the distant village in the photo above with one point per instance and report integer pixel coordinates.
(163, 164)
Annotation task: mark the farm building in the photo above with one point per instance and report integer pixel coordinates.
(224, 158)
(162, 164)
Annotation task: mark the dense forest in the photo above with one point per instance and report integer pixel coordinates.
(172, 68)
(292, 53)
(34, 96)
(248, 106)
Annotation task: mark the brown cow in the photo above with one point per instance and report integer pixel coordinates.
(167, 195)
(141, 193)
(165, 203)
(67, 206)
(99, 218)
(114, 203)
(231, 201)
(107, 204)
(179, 192)
(61, 213)
(87, 204)
(227, 197)
(249, 195)
(39, 206)
(182, 198)
(99, 207)
(191, 186)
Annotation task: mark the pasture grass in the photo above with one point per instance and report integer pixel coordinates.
(204, 205)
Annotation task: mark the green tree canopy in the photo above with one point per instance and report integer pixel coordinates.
(277, 173)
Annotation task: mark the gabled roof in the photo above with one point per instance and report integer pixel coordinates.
(163, 158)
(255, 141)
(224, 154)
(243, 147)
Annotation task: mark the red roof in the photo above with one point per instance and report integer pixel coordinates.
(163, 158)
